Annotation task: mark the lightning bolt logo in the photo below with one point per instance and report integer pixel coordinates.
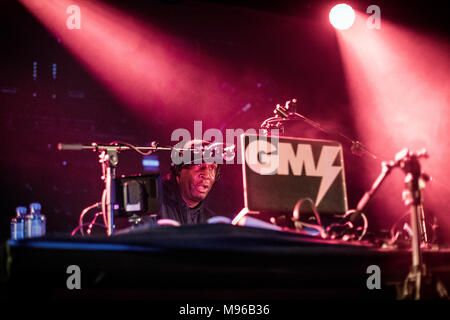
(304, 158)
(326, 170)
(279, 163)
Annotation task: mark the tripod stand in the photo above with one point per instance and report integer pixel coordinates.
(415, 181)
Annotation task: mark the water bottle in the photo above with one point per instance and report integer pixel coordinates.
(17, 223)
(34, 222)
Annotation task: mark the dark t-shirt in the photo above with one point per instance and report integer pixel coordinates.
(173, 206)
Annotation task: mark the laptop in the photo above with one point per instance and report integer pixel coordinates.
(279, 171)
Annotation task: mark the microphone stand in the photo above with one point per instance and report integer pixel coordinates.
(109, 159)
(411, 166)
(414, 181)
(288, 113)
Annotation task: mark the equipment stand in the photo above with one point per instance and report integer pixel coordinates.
(414, 182)
(109, 160)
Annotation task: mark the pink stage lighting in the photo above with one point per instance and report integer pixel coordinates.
(398, 82)
(342, 16)
(150, 71)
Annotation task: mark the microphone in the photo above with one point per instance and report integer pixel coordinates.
(281, 113)
(67, 146)
(289, 108)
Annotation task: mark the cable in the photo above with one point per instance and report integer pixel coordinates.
(345, 228)
(83, 213)
(126, 144)
(132, 147)
(93, 222)
(395, 235)
(300, 224)
(296, 212)
(85, 224)
(366, 226)
(105, 218)
(346, 224)
(348, 215)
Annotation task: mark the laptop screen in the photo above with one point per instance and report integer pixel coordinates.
(279, 171)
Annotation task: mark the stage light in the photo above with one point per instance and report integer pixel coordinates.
(342, 16)
(399, 100)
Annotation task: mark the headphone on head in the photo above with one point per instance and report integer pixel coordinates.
(192, 145)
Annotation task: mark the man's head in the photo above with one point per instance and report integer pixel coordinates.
(195, 178)
(195, 182)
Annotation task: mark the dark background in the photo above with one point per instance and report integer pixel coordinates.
(273, 51)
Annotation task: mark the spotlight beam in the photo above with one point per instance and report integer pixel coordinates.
(142, 66)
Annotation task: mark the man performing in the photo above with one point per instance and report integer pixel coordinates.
(185, 188)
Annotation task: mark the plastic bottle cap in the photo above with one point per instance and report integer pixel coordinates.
(21, 211)
(35, 207)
